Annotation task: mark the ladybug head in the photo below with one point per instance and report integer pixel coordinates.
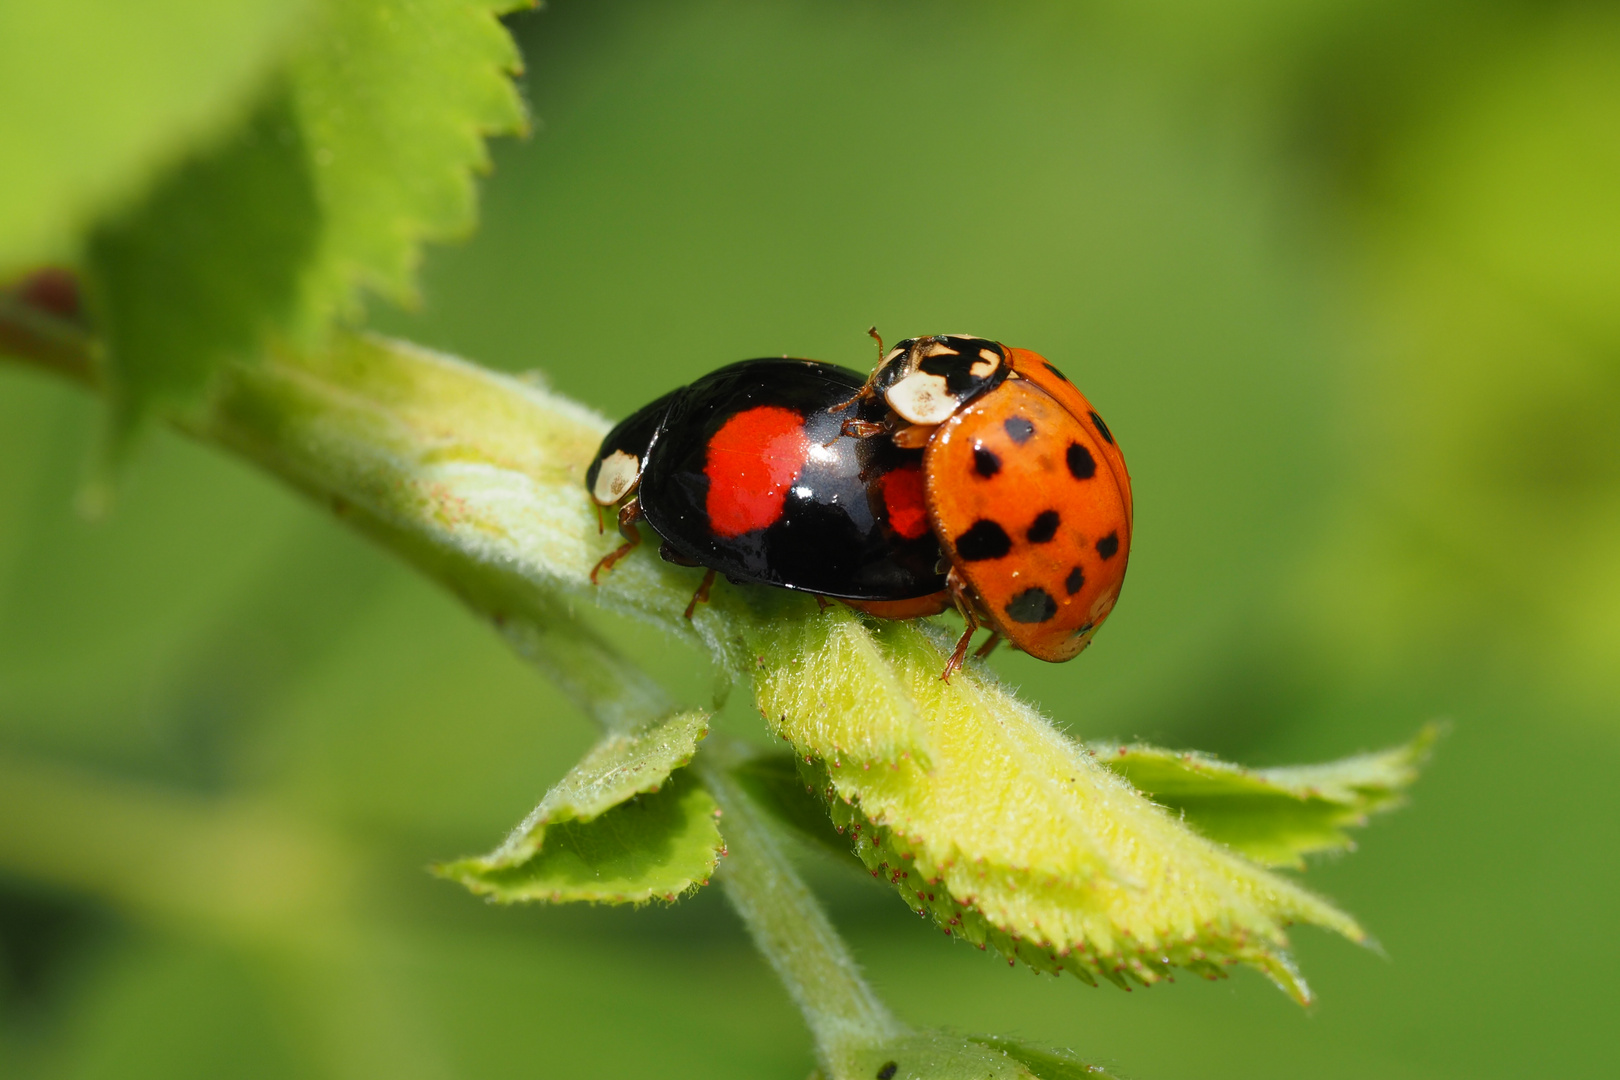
(927, 379)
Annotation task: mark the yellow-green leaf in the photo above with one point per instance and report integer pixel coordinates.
(620, 766)
(365, 145)
(1274, 816)
(650, 847)
(1015, 837)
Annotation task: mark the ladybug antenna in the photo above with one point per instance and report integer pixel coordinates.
(877, 337)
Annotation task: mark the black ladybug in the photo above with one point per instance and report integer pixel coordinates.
(774, 472)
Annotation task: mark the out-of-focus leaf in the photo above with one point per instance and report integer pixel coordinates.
(205, 267)
(1274, 816)
(651, 847)
(1016, 837)
(620, 766)
(95, 97)
(365, 148)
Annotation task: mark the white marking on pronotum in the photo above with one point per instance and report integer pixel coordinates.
(985, 366)
(616, 476)
(921, 399)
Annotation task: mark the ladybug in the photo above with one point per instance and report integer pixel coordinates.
(750, 472)
(1025, 484)
(902, 494)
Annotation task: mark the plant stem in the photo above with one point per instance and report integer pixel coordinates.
(789, 927)
(45, 341)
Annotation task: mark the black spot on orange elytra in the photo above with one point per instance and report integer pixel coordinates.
(985, 462)
(984, 540)
(1108, 545)
(1058, 373)
(1081, 464)
(1044, 527)
(1031, 606)
(1102, 428)
(1018, 429)
(1075, 581)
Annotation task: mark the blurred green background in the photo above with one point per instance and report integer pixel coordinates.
(1344, 278)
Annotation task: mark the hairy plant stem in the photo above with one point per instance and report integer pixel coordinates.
(789, 927)
(253, 418)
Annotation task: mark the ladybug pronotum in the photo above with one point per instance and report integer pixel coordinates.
(960, 473)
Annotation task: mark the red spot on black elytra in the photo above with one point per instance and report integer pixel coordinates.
(1031, 606)
(1044, 527)
(904, 501)
(1102, 428)
(1108, 545)
(1081, 464)
(752, 461)
(985, 462)
(983, 540)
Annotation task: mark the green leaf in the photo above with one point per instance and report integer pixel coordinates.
(940, 1055)
(830, 674)
(1045, 1063)
(1015, 837)
(394, 99)
(619, 767)
(205, 268)
(97, 97)
(651, 847)
(1274, 816)
(364, 148)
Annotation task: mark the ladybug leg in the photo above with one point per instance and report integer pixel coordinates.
(822, 600)
(667, 552)
(959, 654)
(989, 646)
(861, 429)
(702, 594)
(964, 606)
(860, 395)
(629, 514)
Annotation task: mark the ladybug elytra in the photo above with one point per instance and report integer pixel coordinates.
(961, 472)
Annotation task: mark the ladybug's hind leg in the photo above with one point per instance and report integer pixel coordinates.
(989, 645)
(629, 514)
(964, 606)
(702, 594)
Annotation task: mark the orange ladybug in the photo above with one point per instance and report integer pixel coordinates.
(1024, 486)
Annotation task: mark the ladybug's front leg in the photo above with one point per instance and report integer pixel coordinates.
(629, 514)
